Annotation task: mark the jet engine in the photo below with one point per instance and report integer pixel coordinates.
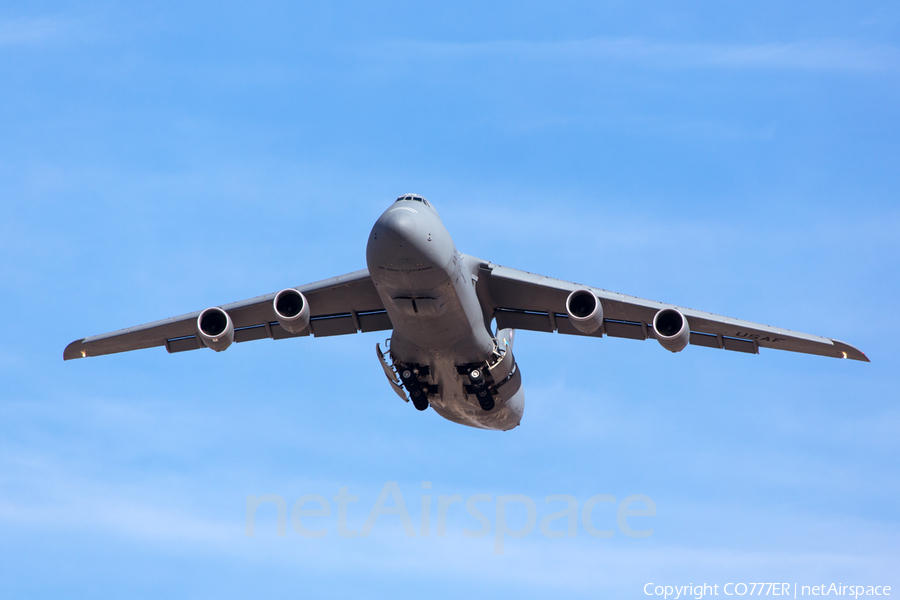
(215, 329)
(672, 330)
(291, 310)
(584, 310)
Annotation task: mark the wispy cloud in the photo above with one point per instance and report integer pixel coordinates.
(821, 55)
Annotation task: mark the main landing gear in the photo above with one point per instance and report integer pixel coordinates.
(418, 390)
(479, 387)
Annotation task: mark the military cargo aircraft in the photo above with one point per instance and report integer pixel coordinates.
(440, 305)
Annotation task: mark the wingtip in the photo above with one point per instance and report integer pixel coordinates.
(74, 350)
(851, 352)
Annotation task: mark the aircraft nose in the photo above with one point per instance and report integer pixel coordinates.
(400, 224)
(401, 237)
(406, 241)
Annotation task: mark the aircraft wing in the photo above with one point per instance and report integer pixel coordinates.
(340, 305)
(523, 300)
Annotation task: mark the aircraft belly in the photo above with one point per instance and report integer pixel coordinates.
(455, 405)
(451, 324)
(443, 343)
(428, 291)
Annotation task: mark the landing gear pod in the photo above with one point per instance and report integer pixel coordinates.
(672, 330)
(584, 310)
(291, 310)
(215, 329)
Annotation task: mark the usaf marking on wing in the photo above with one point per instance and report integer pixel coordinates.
(439, 304)
(756, 336)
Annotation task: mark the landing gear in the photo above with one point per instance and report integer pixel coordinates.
(418, 391)
(478, 385)
(485, 399)
(419, 399)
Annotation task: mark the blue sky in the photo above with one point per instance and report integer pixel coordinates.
(157, 159)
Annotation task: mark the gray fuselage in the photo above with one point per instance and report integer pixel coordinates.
(429, 291)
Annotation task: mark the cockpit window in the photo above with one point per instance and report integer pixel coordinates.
(414, 198)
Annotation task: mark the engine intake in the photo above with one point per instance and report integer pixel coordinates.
(215, 329)
(291, 310)
(585, 311)
(672, 330)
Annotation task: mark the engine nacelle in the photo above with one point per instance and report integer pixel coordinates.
(672, 330)
(215, 329)
(291, 310)
(585, 311)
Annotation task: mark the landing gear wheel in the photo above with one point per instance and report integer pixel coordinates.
(406, 374)
(476, 377)
(419, 400)
(485, 399)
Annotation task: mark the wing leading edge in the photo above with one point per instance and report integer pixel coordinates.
(340, 305)
(523, 300)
